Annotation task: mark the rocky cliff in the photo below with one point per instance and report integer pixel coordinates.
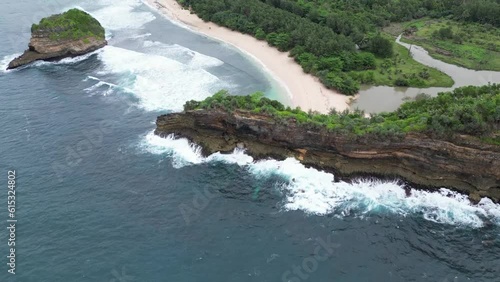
(464, 164)
(60, 36)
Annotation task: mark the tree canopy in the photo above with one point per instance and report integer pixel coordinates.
(72, 24)
(334, 39)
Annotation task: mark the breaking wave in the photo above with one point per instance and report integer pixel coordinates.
(160, 80)
(121, 15)
(316, 192)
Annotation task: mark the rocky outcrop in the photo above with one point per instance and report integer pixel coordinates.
(465, 164)
(43, 46)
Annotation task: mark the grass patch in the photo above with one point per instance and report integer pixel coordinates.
(469, 45)
(403, 70)
(73, 24)
(491, 140)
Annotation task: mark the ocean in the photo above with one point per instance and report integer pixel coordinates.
(100, 198)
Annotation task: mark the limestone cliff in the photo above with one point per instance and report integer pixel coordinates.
(70, 34)
(464, 164)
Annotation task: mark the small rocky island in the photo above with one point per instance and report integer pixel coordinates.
(451, 141)
(69, 34)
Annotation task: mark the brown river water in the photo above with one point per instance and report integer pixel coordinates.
(374, 99)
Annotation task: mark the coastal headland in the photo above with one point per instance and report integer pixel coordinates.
(421, 142)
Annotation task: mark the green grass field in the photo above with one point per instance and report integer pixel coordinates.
(403, 70)
(470, 45)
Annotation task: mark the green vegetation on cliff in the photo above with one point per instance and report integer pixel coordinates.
(73, 24)
(468, 110)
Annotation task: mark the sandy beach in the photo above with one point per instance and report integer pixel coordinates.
(304, 90)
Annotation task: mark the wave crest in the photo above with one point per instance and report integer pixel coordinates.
(317, 192)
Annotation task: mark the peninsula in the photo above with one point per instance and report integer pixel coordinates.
(69, 34)
(452, 140)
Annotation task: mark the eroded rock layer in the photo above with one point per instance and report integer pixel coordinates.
(463, 164)
(43, 46)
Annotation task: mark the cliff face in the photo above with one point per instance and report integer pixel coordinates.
(43, 46)
(465, 165)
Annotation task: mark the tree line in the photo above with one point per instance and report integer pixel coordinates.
(317, 48)
(328, 38)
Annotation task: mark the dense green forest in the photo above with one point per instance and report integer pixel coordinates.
(335, 40)
(468, 110)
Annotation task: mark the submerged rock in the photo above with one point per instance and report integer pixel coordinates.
(69, 34)
(463, 164)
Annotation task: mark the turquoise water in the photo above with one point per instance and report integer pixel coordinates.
(100, 198)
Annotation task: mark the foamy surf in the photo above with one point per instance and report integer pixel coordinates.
(102, 87)
(181, 150)
(4, 63)
(72, 60)
(159, 83)
(121, 15)
(316, 192)
(140, 36)
(182, 54)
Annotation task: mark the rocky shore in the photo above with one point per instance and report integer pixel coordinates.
(463, 164)
(48, 44)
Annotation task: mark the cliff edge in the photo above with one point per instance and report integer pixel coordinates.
(69, 34)
(467, 166)
(467, 163)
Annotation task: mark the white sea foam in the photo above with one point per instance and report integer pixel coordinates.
(66, 61)
(4, 63)
(140, 36)
(101, 87)
(159, 82)
(181, 150)
(315, 192)
(117, 15)
(182, 54)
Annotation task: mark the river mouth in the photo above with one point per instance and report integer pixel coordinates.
(376, 99)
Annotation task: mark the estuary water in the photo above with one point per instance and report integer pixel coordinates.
(100, 198)
(370, 97)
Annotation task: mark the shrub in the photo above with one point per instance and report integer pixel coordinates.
(260, 34)
(401, 82)
(381, 47)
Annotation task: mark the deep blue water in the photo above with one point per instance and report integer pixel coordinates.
(100, 198)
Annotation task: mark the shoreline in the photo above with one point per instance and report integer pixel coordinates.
(304, 90)
(221, 131)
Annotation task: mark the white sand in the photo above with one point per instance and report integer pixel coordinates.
(305, 90)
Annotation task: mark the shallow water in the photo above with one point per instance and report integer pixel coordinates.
(100, 198)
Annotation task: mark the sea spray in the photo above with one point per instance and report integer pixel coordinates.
(181, 151)
(4, 63)
(121, 15)
(158, 82)
(315, 192)
(182, 54)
